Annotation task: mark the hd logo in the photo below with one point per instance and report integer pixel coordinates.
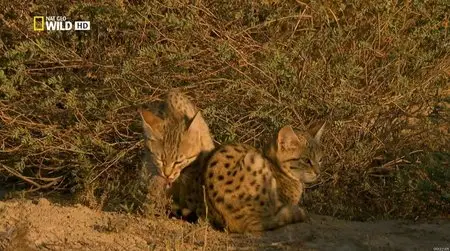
(59, 23)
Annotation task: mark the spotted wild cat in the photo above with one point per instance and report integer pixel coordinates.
(250, 191)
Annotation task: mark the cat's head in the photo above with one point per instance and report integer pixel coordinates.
(298, 154)
(174, 144)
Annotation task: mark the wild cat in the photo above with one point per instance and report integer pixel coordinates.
(175, 141)
(245, 190)
(248, 191)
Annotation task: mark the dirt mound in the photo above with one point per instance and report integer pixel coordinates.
(41, 225)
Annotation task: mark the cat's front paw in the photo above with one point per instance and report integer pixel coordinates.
(299, 214)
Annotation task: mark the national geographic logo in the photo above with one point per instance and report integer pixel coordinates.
(59, 23)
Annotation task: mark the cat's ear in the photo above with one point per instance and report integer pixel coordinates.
(315, 129)
(198, 130)
(179, 105)
(287, 139)
(152, 124)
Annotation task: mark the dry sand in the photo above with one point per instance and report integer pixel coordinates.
(41, 225)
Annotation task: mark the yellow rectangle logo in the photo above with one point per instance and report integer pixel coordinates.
(38, 23)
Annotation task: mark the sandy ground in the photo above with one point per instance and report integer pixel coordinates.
(41, 225)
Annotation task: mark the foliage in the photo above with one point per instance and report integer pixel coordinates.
(378, 72)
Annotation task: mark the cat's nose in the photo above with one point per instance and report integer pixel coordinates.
(173, 176)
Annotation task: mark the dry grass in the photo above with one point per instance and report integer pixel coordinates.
(378, 72)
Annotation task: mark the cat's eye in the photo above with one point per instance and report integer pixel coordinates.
(192, 158)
